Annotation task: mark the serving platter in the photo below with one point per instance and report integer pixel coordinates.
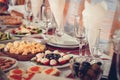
(11, 31)
(57, 66)
(52, 56)
(8, 59)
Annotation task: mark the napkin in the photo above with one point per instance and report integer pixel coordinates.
(93, 14)
(57, 7)
(36, 4)
(18, 8)
(65, 40)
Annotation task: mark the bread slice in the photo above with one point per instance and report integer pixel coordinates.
(51, 71)
(34, 69)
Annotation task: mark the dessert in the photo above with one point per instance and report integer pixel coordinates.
(51, 71)
(23, 50)
(34, 69)
(52, 58)
(6, 63)
(20, 74)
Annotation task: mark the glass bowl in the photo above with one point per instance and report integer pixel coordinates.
(86, 68)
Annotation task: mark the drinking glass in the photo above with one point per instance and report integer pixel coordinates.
(59, 30)
(116, 44)
(79, 33)
(47, 18)
(96, 50)
(28, 10)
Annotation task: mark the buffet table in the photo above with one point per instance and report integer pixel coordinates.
(65, 71)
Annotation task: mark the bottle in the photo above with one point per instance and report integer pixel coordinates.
(42, 10)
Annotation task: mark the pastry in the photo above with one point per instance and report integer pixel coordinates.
(34, 69)
(51, 71)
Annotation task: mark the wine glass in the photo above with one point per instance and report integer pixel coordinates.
(28, 10)
(47, 18)
(79, 33)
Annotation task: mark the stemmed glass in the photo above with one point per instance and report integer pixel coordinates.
(28, 10)
(47, 18)
(79, 33)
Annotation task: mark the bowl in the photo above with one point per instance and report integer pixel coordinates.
(86, 68)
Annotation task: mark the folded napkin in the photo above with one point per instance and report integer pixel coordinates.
(65, 40)
(57, 7)
(36, 4)
(93, 14)
(18, 8)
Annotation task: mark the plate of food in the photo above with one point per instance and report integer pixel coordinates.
(6, 37)
(11, 20)
(52, 59)
(23, 50)
(24, 30)
(7, 63)
(27, 74)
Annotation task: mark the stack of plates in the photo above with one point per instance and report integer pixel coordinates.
(65, 41)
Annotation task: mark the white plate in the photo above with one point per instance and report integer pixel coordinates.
(62, 46)
(9, 30)
(58, 66)
(65, 41)
(13, 66)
